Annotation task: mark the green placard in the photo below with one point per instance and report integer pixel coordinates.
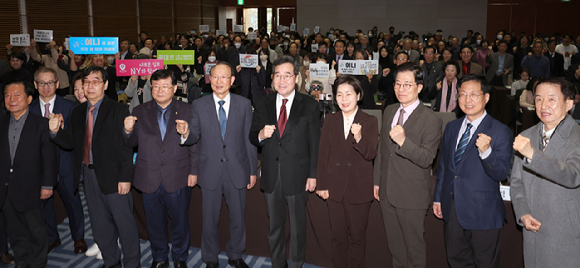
(240, 2)
(173, 57)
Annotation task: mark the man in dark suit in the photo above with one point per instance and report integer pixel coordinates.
(402, 172)
(287, 127)
(475, 157)
(220, 124)
(28, 172)
(164, 169)
(556, 60)
(233, 52)
(46, 82)
(95, 135)
(501, 65)
(338, 54)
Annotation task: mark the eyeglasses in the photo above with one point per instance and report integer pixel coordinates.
(405, 86)
(283, 77)
(223, 78)
(463, 96)
(465, 52)
(164, 87)
(49, 83)
(401, 59)
(92, 83)
(429, 52)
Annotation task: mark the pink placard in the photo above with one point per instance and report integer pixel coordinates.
(137, 67)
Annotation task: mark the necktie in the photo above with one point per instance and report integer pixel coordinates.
(462, 144)
(282, 119)
(162, 124)
(401, 119)
(223, 119)
(465, 71)
(88, 137)
(46, 110)
(546, 141)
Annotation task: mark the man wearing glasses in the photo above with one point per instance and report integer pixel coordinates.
(287, 127)
(220, 125)
(475, 157)
(96, 136)
(407, 148)
(46, 82)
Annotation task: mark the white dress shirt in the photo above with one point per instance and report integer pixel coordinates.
(50, 107)
(226, 105)
(408, 111)
(279, 99)
(348, 122)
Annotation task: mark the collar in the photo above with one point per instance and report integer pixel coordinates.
(290, 98)
(159, 108)
(475, 123)
(42, 103)
(351, 117)
(97, 105)
(216, 99)
(409, 109)
(22, 118)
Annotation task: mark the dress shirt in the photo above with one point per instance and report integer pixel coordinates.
(548, 134)
(279, 99)
(14, 131)
(50, 107)
(348, 120)
(226, 105)
(408, 110)
(474, 126)
(95, 113)
(124, 55)
(500, 68)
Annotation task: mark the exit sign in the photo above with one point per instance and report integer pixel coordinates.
(240, 2)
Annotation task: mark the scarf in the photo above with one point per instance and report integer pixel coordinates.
(452, 102)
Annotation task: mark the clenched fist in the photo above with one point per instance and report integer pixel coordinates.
(55, 121)
(483, 141)
(182, 128)
(129, 123)
(356, 131)
(530, 223)
(524, 146)
(397, 134)
(266, 132)
(323, 194)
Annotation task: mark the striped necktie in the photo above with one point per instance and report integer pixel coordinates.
(462, 144)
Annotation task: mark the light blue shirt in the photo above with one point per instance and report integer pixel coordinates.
(474, 126)
(500, 68)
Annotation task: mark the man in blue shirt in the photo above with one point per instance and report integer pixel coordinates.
(538, 64)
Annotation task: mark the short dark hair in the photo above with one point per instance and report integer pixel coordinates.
(18, 55)
(363, 52)
(78, 76)
(148, 38)
(322, 43)
(123, 40)
(401, 53)
(340, 41)
(411, 67)
(143, 32)
(565, 86)
(466, 46)
(350, 80)
(524, 70)
(531, 87)
(485, 86)
(96, 69)
(451, 62)
(286, 59)
(28, 88)
(502, 42)
(163, 74)
(550, 42)
(429, 47)
(223, 63)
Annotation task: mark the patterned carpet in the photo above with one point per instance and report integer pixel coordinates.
(63, 256)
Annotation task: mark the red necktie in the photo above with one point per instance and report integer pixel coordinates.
(282, 118)
(88, 137)
(465, 72)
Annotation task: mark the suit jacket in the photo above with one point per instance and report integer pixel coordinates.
(430, 80)
(571, 73)
(161, 161)
(295, 153)
(64, 107)
(548, 188)
(475, 69)
(493, 61)
(556, 64)
(474, 183)
(233, 56)
(112, 160)
(234, 155)
(345, 167)
(414, 56)
(35, 163)
(404, 173)
(332, 57)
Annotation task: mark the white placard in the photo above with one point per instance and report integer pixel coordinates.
(375, 55)
(208, 67)
(306, 32)
(280, 28)
(20, 40)
(203, 28)
(505, 193)
(252, 36)
(358, 67)
(316, 29)
(67, 43)
(248, 60)
(238, 28)
(293, 27)
(221, 32)
(43, 36)
(319, 70)
(314, 48)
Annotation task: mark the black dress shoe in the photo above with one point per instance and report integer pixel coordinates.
(212, 265)
(54, 245)
(118, 265)
(239, 263)
(160, 264)
(179, 264)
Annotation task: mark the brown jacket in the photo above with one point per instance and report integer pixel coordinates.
(474, 69)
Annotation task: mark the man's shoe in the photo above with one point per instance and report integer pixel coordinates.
(118, 265)
(7, 258)
(54, 245)
(160, 264)
(93, 250)
(212, 265)
(239, 263)
(80, 246)
(179, 264)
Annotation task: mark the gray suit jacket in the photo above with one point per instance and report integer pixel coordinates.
(414, 57)
(548, 189)
(493, 61)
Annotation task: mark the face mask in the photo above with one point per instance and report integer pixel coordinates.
(111, 59)
(478, 42)
(306, 63)
(320, 62)
(285, 44)
(499, 37)
(211, 58)
(263, 57)
(205, 36)
(370, 35)
(237, 45)
(546, 39)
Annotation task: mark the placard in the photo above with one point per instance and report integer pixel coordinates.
(204, 28)
(316, 29)
(221, 32)
(306, 31)
(375, 55)
(67, 43)
(238, 28)
(252, 36)
(314, 48)
(173, 57)
(94, 45)
(43, 36)
(20, 40)
(293, 27)
(319, 70)
(137, 67)
(505, 192)
(280, 28)
(248, 60)
(208, 67)
(358, 67)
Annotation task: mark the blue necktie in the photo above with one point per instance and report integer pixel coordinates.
(162, 124)
(223, 119)
(462, 144)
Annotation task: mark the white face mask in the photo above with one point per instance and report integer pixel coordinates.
(263, 57)
(111, 59)
(320, 62)
(306, 63)
(546, 39)
(285, 43)
(370, 35)
(204, 36)
(211, 58)
(499, 37)
(237, 45)
(478, 42)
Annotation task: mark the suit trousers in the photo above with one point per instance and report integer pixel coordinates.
(3, 233)
(27, 233)
(276, 203)
(211, 210)
(405, 229)
(74, 211)
(348, 223)
(470, 248)
(497, 80)
(160, 205)
(111, 217)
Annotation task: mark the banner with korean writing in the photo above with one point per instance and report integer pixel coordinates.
(208, 67)
(94, 45)
(173, 57)
(43, 36)
(238, 28)
(319, 70)
(314, 48)
(204, 28)
(137, 67)
(20, 40)
(358, 67)
(252, 36)
(248, 61)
